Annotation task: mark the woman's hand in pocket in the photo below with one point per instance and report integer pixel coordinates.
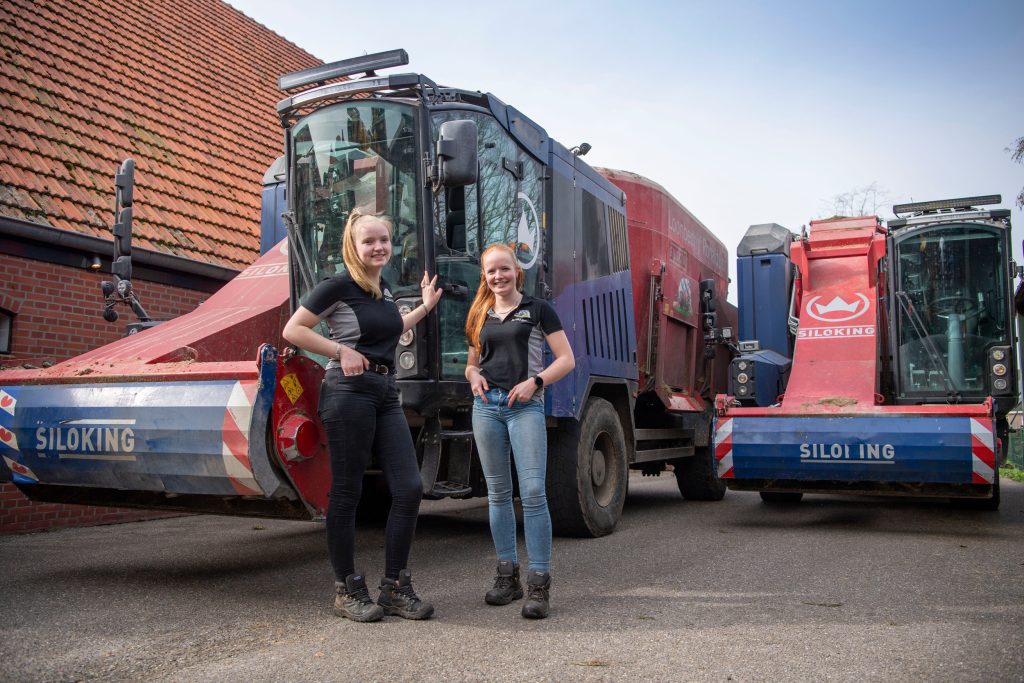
(478, 385)
(352, 362)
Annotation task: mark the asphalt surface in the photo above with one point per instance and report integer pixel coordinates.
(837, 588)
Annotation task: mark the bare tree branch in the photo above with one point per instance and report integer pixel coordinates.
(1016, 151)
(860, 201)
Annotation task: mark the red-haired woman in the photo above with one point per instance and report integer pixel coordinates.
(507, 330)
(360, 409)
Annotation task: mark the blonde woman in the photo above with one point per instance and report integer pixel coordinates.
(361, 412)
(507, 329)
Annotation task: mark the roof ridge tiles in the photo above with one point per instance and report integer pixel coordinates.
(101, 79)
(203, 8)
(84, 84)
(90, 47)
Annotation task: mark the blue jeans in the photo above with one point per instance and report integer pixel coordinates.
(496, 429)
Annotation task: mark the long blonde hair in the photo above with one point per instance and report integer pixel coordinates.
(484, 300)
(356, 268)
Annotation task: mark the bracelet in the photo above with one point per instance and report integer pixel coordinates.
(337, 351)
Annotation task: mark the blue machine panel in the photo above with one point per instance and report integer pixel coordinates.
(272, 228)
(177, 437)
(604, 338)
(897, 449)
(764, 284)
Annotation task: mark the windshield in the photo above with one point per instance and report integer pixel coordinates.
(951, 302)
(359, 154)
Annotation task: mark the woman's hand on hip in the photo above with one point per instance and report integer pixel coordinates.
(352, 362)
(522, 392)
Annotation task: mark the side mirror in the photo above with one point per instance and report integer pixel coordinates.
(456, 154)
(707, 296)
(124, 182)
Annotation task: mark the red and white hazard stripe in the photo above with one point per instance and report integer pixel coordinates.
(237, 418)
(983, 452)
(723, 447)
(7, 402)
(18, 468)
(8, 438)
(7, 405)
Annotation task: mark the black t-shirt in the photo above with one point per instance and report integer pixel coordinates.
(512, 349)
(357, 320)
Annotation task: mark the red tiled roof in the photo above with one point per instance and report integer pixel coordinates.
(186, 88)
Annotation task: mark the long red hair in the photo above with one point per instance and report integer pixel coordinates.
(484, 300)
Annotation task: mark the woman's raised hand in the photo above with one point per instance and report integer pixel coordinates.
(429, 291)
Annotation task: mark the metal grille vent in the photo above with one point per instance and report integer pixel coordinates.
(617, 233)
(604, 326)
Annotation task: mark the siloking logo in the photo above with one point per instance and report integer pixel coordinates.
(835, 310)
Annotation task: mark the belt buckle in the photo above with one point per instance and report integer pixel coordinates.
(380, 369)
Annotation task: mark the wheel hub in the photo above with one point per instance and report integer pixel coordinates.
(597, 468)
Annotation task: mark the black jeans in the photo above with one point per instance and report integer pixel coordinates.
(363, 417)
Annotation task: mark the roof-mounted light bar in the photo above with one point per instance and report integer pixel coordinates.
(350, 88)
(333, 90)
(948, 204)
(346, 67)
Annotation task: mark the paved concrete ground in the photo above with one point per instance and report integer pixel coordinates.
(845, 589)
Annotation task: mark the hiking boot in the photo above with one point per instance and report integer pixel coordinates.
(506, 585)
(539, 585)
(400, 600)
(353, 600)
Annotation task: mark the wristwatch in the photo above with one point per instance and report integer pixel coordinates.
(538, 381)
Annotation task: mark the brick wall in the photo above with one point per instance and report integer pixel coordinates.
(18, 514)
(57, 316)
(57, 309)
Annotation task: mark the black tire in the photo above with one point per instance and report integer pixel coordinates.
(781, 497)
(697, 476)
(587, 472)
(986, 504)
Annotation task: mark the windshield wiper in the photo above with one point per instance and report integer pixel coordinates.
(288, 217)
(918, 328)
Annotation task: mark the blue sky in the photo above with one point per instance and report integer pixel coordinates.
(747, 112)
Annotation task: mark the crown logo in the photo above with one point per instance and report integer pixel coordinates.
(837, 304)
